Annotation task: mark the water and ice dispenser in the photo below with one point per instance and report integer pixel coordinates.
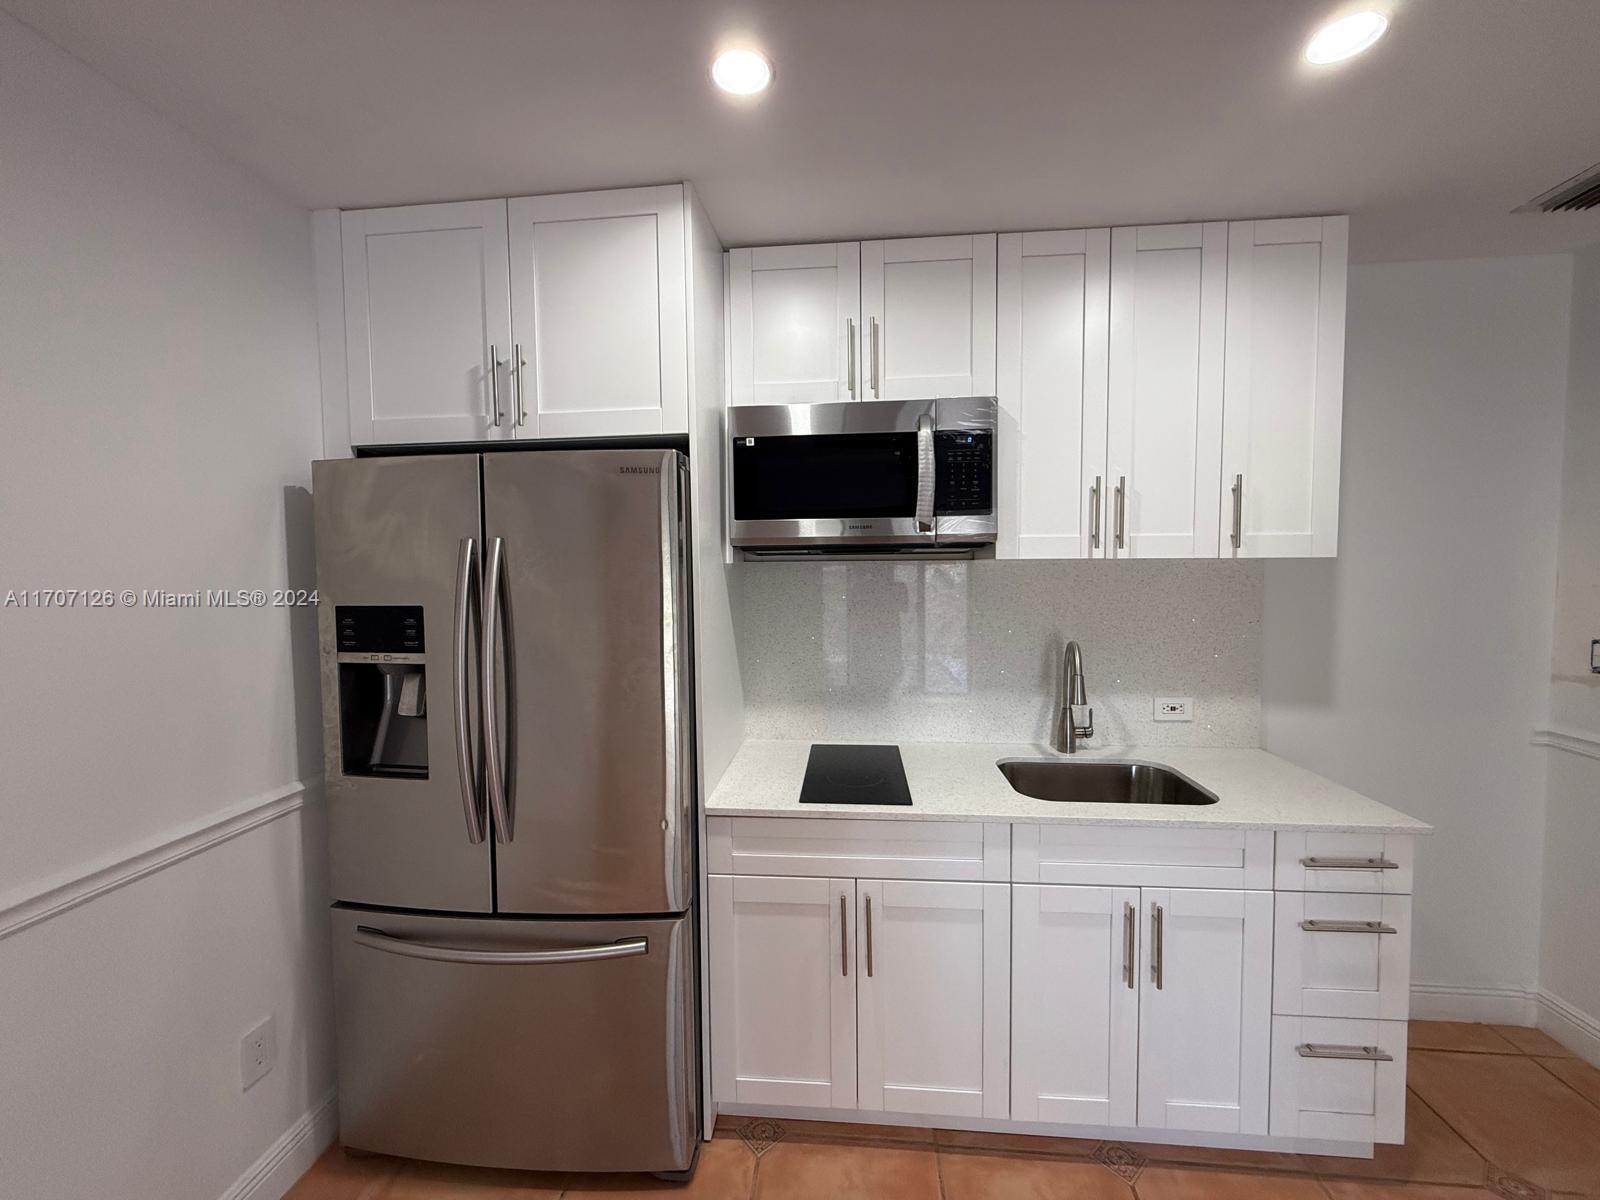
(383, 689)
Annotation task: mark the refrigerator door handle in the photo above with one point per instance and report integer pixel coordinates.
(670, 715)
(492, 620)
(471, 800)
(376, 939)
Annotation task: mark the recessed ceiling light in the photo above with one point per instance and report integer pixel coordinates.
(1346, 37)
(742, 72)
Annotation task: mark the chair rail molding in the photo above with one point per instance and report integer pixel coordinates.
(1570, 740)
(40, 900)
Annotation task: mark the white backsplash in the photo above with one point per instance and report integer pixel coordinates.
(971, 651)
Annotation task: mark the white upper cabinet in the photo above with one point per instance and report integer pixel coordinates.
(1051, 369)
(794, 313)
(1205, 1010)
(599, 306)
(933, 980)
(427, 317)
(1164, 429)
(928, 305)
(1075, 1006)
(1284, 393)
(783, 991)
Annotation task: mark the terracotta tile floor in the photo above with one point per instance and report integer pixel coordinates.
(1493, 1112)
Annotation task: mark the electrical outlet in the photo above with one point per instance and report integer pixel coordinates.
(1174, 708)
(258, 1051)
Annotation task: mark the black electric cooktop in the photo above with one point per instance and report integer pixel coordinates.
(855, 775)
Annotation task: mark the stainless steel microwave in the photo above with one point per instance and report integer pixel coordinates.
(873, 477)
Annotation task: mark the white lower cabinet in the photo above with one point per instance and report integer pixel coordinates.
(783, 988)
(933, 990)
(1205, 1010)
(1338, 1079)
(1075, 1005)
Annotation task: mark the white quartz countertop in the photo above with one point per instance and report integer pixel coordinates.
(960, 781)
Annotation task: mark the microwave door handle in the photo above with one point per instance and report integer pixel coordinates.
(925, 472)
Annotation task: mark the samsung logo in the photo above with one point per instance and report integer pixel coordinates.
(639, 470)
(860, 528)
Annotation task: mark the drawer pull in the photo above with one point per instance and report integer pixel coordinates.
(1347, 927)
(1358, 1053)
(1349, 864)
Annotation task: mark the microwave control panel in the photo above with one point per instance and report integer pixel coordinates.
(964, 476)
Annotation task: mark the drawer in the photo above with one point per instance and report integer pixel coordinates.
(1342, 954)
(852, 848)
(1344, 862)
(1338, 1080)
(1112, 855)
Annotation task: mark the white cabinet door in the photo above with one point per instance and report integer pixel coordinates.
(427, 318)
(1075, 1007)
(1284, 395)
(928, 304)
(599, 303)
(933, 997)
(1052, 315)
(783, 991)
(1205, 1011)
(1164, 428)
(794, 321)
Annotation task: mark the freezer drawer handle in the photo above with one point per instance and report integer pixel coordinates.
(376, 939)
(1347, 927)
(1359, 1053)
(1349, 864)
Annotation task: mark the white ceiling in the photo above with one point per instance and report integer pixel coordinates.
(891, 116)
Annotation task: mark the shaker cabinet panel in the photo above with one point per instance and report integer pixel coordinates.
(783, 991)
(1075, 1005)
(1051, 376)
(427, 318)
(1284, 392)
(933, 989)
(794, 315)
(929, 309)
(600, 313)
(1205, 1010)
(1164, 428)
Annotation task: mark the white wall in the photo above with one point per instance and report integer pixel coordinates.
(1413, 667)
(972, 651)
(1570, 960)
(158, 393)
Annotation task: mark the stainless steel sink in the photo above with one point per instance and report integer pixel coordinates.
(1100, 782)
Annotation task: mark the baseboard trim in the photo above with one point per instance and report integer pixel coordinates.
(291, 1156)
(1569, 1025)
(39, 901)
(1570, 740)
(1489, 1005)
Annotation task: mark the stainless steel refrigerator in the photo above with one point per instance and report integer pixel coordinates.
(507, 729)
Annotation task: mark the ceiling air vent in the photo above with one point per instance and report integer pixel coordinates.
(1580, 192)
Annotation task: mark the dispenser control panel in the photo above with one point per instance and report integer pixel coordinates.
(379, 632)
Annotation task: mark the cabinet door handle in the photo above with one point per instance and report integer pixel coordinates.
(1094, 513)
(1237, 537)
(869, 937)
(844, 937)
(494, 383)
(872, 324)
(1122, 512)
(1129, 920)
(517, 406)
(1360, 1053)
(1347, 927)
(850, 355)
(1349, 864)
(1156, 948)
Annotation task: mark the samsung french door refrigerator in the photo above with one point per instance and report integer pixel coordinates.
(507, 732)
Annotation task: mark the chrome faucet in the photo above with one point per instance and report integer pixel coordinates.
(1076, 718)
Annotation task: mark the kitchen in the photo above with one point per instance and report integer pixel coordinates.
(1212, 568)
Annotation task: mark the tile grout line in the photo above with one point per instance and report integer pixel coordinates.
(1465, 1140)
(1543, 1065)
